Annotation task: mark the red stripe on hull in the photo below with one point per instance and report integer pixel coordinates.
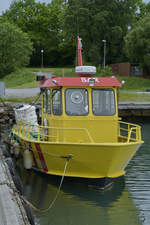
(34, 160)
(43, 163)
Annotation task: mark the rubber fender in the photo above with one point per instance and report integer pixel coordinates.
(18, 183)
(29, 213)
(11, 167)
(16, 149)
(27, 159)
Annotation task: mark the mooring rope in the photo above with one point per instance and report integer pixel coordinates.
(35, 101)
(28, 202)
(55, 198)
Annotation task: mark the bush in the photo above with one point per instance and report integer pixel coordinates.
(107, 71)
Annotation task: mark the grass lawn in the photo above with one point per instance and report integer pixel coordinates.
(135, 83)
(26, 78)
(22, 78)
(127, 96)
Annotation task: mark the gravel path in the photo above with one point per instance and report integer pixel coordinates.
(21, 93)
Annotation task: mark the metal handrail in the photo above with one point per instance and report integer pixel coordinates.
(131, 129)
(24, 129)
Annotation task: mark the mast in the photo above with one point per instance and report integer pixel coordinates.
(79, 47)
(83, 71)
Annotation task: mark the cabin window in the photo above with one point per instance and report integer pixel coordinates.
(103, 102)
(76, 101)
(57, 102)
(46, 102)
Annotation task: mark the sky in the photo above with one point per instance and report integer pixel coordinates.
(4, 4)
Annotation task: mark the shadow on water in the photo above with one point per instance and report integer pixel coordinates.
(100, 197)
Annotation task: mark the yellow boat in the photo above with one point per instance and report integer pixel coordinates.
(80, 124)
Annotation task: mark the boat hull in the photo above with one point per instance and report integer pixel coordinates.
(92, 161)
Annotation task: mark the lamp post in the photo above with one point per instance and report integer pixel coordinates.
(42, 51)
(104, 62)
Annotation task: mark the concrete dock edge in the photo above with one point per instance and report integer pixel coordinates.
(12, 211)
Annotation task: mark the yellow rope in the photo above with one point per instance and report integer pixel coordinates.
(55, 198)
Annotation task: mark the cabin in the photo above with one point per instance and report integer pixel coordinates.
(80, 109)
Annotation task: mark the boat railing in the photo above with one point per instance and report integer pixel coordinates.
(129, 131)
(39, 133)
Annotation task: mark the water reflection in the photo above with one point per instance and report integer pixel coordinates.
(138, 175)
(78, 204)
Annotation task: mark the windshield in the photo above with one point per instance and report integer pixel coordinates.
(76, 101)
(103, 102)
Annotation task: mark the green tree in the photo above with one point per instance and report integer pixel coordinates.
(137, 44)
(143, 11)
(15, 48)
(100, 20)
(43, 23)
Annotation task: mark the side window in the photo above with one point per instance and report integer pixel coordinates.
(76, 101)
(46, 101)
(57, 102)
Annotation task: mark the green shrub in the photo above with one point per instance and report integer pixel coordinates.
(15, 48)
(107, 71)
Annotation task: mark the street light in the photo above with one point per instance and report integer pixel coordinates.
(104, 62)
(42, 51)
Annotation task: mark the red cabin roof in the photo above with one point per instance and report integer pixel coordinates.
(80, 82)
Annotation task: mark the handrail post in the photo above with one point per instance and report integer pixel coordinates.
(129, 134)
(119, 128)
(23, 131)
(29, 129)
(140, 137)
(20, 130)
(17, 128)
(89, 135)
(39, 133)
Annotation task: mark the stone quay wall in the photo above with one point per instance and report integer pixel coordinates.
(7, 115)
(6, 112)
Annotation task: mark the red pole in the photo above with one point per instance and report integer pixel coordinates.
(79, 45)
